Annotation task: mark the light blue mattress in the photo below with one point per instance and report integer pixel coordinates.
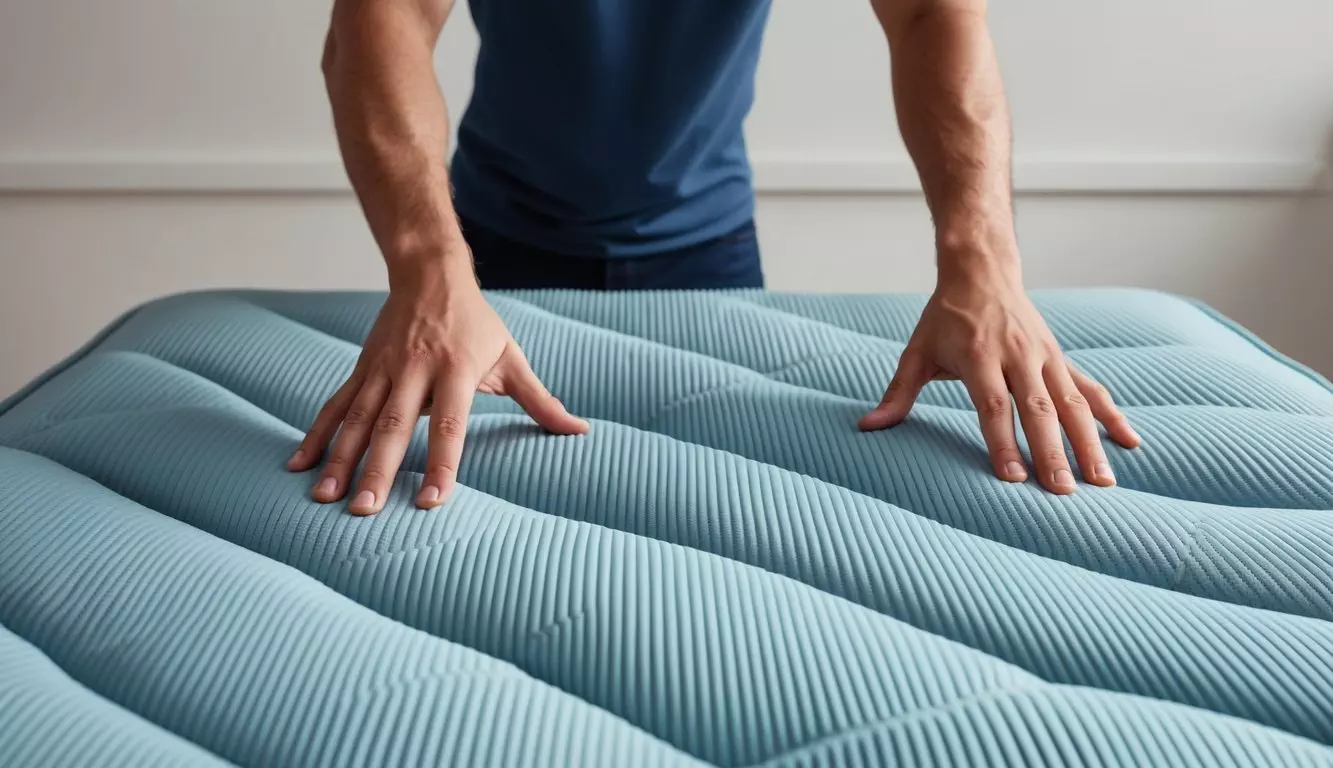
(723, 572)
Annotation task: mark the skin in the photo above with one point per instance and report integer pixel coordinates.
(437, 341)
(979, 325)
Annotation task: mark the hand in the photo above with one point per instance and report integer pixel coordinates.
(983, 329)
(435, 343)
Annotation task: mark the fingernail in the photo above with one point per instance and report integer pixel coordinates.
(430, 494)
(1015, 470)
(1064, 478)
(327, 487)
(1103, 472)
(364, 499)
(296, 459)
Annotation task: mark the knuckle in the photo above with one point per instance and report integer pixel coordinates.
(448, 426)
(441, 469)
(978, 349)
(391, 420)
(1054, 458)
(995, 406)
(1017, 342)
(337, 463)
(419, 351)
(373, 477)
(451, 360)
(1039, 405)
(357, 416)
(1076, 400)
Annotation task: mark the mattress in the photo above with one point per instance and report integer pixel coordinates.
(723, 572)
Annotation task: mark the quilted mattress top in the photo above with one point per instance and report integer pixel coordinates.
(724, 571)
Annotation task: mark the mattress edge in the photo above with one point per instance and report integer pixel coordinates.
(1257, 342)
(9, 403)
(87, 347)
(69, 360)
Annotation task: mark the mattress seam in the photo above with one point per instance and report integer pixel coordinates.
(1182, 568)
(774, 373)
(925, 713)
(506, 670)
(106, 700)
(904, 343)
(748, 371)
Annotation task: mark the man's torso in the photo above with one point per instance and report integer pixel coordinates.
(610, 127)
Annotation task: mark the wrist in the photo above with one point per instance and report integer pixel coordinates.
(978, 256)
(431, 242)
(445, 265)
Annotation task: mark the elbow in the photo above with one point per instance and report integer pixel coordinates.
(900, 18)
(328, 60)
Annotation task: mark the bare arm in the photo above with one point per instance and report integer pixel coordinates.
(955, 121)
(392, 123)
(979, 325)
(436, 341)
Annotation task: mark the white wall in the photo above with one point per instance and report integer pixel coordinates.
(156, 145)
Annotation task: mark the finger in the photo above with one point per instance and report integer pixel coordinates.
(1079, 425)
(1041, 424)
(912, 374)
(350, 444)
(325, 425)
(1104, 410)
(995, 411)
(448, 428)
(527, 390)
(388, 442)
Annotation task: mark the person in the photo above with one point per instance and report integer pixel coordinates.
(602, 148)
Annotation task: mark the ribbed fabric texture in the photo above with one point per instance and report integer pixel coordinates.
(724, 571)
(251, 660)
(48, 719)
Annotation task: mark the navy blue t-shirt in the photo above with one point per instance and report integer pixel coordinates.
(609, 127)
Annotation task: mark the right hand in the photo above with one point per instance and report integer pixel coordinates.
(435, 343)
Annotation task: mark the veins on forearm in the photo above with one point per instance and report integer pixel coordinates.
(954, 119)
(392, 126)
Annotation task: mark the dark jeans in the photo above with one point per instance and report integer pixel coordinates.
(729, 261)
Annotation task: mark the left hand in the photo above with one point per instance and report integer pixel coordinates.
(983, 329)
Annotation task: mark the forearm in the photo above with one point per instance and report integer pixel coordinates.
(393, 126)
(955, 121)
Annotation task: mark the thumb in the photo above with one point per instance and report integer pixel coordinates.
(521, 384)
(901, 394)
